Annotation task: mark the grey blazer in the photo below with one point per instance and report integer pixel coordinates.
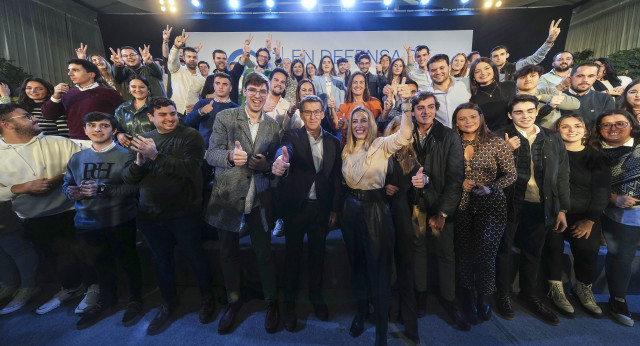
(231, 183)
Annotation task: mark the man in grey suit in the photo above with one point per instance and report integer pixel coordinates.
(242, 149)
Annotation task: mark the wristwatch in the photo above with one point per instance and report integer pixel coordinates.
(102, 188)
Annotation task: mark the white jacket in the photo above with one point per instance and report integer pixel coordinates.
(42, 157)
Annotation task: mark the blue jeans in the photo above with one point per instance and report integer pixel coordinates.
(622, 241)
(162, 236)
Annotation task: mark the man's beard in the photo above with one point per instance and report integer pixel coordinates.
(27, 131)
(562, 69)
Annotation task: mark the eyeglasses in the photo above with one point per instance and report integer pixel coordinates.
(125, 56)
(618, 124)
(314, 113)
(254, 92)
(26, 115)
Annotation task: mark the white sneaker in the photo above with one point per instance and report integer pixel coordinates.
(278, 230)
(586, 298)
(20, 299)
(90, 299)
(556, 293)
(7, 291)
(58, 299)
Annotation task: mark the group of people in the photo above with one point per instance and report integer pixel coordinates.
(464, 158)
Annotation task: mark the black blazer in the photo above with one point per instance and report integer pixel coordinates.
(302, 172)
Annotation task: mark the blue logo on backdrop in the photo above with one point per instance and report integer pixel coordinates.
(316, 54)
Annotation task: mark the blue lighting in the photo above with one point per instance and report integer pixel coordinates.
(348, 3)
(464, 1)
(270, 3)
(195, 3)
(424, 2)
(308, 4)
(234, 4)
(387, 2)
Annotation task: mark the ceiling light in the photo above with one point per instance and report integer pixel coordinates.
(488, 4)
(270, 3)
(308, 4)
(498, 3)
(347, 3)
(161, 2)
(195, 3)
(387, 2)
(172, 9)
(164, 9)
(424, 2)
(234, 4)
(464, 1)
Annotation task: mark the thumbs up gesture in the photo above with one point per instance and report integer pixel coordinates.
(513, 143)
(420, 179)
(556, 100)
(207, 108)
(281, 164)
(237, 156)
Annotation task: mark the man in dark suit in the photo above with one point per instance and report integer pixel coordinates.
(242, 148)
(311, 197)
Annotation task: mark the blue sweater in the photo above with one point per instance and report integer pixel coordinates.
(118, 204)
(204, 123)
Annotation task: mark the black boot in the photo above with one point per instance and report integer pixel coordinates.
(469, 306)
(484, 308)
(455, 314)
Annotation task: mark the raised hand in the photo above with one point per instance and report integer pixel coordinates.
(403, 91)
(281, 164)
(181, 40)
(513, 143)
(246, 49)
(166, 33)
(5, 91)
(146, 56)
(557, 100)
(207, 108)
(554, 30)
(302, 54)
(420, 179)
(388, 104)
(277, 49)
(331, 102)
(269, 38)
(60, 89)
(116, 57)
(82, 51)
(198, 47)
(238, 156)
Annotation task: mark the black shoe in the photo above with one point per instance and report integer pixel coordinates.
(93, 314)
(357, 326)
(422, 303)
(272, 319)
(161, 321)
(321, 311)
(206, 308)
(542, 312)
(289, 317)
(484, 308)
(620, 311)
(455, 315)
(132, 313)
(413, 338)
(228, 318)
(469, 306)
(503, 306)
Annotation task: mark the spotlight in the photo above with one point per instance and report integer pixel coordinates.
(234, 4)
(488, 4)
(464, 1)
(164, 9)
(270, 3)
(161, 2)
(424, 2)
(171, 2)
(347, 3)
(498, 3)
(172, 9)
(387, 2)
(308, 4)
(195, 3)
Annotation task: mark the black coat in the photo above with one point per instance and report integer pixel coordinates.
(551, 173)
(443, 162)
(302, 172)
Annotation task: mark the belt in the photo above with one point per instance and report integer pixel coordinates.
(366, 195)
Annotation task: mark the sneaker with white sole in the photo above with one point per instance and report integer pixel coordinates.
(278, 230)
(90, 299)
(556, 293)
(620, 311)
(586, 298)
(58, 299)
(20, 299)
(7, 291)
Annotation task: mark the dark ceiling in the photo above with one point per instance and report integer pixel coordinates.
(222, 6)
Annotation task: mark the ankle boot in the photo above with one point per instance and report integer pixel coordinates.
(469, 306)
(484, 308)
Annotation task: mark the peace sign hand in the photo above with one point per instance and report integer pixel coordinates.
(277, 49)
(181, 40)
(146, 56)
(116, 58)
(82, 51)
(554, 30)
(166, 33)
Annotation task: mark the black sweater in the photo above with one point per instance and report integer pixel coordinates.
(590, 183)
(494, 100)
(170, 186)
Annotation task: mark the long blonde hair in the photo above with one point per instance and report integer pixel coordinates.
(406, 156)
(372, 132)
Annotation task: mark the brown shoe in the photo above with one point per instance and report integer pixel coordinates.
(161, 321)
(272, 319)
(228, 318)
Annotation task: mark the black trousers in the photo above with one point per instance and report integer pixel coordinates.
(103, 247)
(368, 233)
(529, 235)
(162, 236)
(584, 251)
(231, 259)
(54, 238)
(314, 222)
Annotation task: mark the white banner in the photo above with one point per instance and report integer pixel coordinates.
(337, 44)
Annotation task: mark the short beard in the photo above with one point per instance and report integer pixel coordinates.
(191, 66)
(27, 131)
(273, 92)
(559, 69)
